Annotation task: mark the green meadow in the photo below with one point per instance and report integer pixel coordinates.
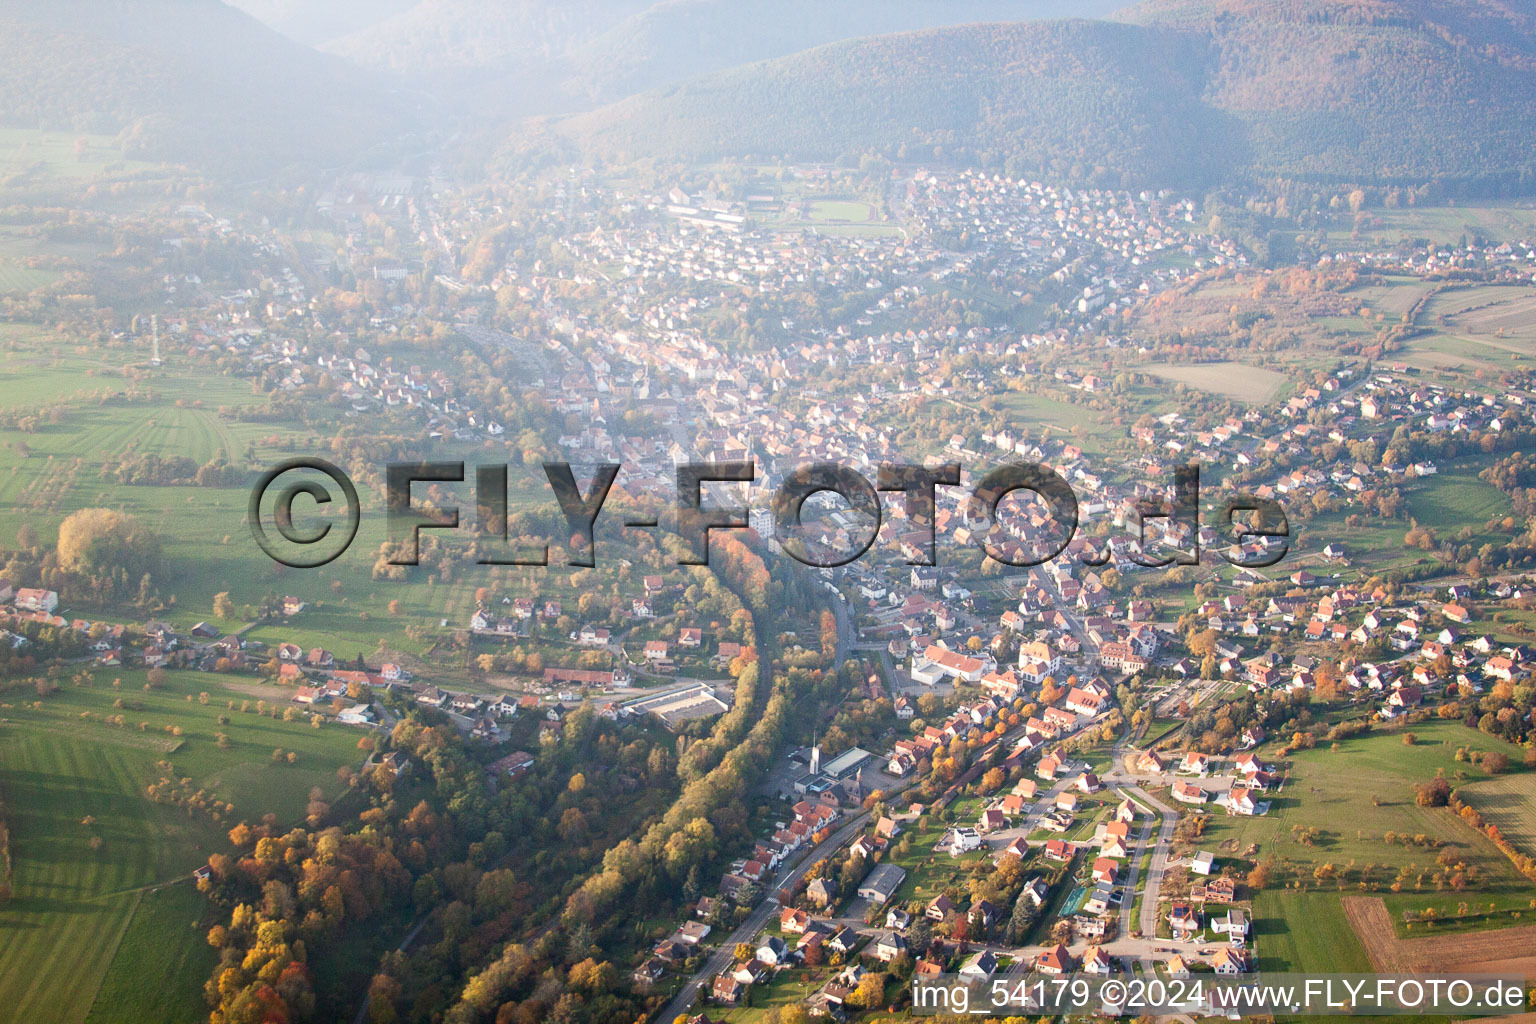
(85, 409)
(100, 924)
(1335, 812)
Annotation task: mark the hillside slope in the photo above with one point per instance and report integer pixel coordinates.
(677, 39)
(1176, 92)
(1374, 90)
(1088, 100)
(531, 56)
(189, 81)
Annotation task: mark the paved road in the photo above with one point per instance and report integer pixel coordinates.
(1121, 778)
(1156, 868)
(758, 919)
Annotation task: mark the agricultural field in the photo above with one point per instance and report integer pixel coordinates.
(1508, 801)
(17, 278)
(1488, 328)
(66, 155)
(1251, 384)
(92, 852)
(1505, 949)
(1337, 806)
(1444, 225)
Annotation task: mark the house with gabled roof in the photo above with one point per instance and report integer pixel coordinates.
(1056, 960)
(1188, 792)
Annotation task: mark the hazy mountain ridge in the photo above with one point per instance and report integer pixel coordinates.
(437, 39)
(314, 22)
(530, 56)
(1372, 90)
(187, 81)
(648, 49)
(1182, 92)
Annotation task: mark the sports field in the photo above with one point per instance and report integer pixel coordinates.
(843, 210)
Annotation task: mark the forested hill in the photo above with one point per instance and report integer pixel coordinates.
(1179, 92)
(191, 81)
(1374, 89)
(1087, 100)
(679, 39)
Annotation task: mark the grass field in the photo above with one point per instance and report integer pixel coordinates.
(1485, 327)
(788, 988)
(1252, 384)
(1452, 499)
(72, 904)
(1455, 498)
(85, 912)
(74, 155)
(1394, 298)
(930, 873)
(38, 370)
(1305, 932)
(1089, 428)
(165, 946)
(1495, 316)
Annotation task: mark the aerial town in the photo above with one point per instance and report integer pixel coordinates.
(1042, 768)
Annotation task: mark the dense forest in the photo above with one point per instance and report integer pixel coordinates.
(1181, 94)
